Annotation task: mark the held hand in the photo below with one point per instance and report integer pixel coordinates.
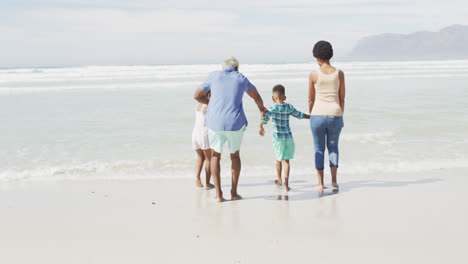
(263, 111)
(261, 131)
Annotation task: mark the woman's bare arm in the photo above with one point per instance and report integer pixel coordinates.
(342, 91)
(311, 91)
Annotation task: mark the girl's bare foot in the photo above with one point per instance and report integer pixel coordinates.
(286, 187)
(209, 186)
(236, 197)
(278, 182)
(198, 183)
(335, 185)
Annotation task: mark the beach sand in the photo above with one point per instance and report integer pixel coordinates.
(403, 218)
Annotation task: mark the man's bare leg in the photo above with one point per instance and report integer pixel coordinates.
(334, 171)
(235, 170)
(199, 167)
(279, 168)
(286, 174)
(216, 173)
(207, 154)
(320, 180)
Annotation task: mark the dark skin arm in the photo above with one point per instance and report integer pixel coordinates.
(200, 96)
(312, 80)
(258, 100)
(342, 91)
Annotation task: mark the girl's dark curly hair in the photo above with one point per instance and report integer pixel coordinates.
(323, 50)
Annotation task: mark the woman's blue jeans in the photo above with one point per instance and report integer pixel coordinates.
(326, 130)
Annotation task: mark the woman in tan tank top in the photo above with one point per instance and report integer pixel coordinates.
(326, 107)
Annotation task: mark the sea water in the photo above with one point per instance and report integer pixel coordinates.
(134, 122)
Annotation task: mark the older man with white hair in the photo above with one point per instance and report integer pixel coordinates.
(226, 119)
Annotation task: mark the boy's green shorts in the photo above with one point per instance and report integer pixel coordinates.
(284, 149)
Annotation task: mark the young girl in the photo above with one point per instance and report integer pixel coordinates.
(201, 146)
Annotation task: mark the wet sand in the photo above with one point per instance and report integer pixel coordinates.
(404, 218)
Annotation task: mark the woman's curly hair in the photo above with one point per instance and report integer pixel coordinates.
(323, 50)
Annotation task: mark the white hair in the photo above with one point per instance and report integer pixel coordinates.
(231, 62)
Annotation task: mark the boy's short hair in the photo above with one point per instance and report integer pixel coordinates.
(279, 89)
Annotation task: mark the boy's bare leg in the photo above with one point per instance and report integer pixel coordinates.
(199, 167)
(334, 171)
(320, 180)
(286, 174)
(216, 173)
(279, 168)
(235, 170)
(207, 154)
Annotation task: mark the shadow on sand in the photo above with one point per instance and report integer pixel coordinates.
(301, 190)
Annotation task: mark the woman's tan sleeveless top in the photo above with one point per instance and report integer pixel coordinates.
(326, 94)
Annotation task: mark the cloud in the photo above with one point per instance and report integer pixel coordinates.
(80, 32)
(118, 20)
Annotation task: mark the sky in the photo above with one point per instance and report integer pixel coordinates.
(55, 33)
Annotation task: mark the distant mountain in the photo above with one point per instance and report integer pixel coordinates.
(448, 43)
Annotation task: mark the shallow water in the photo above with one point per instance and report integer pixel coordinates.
(136, 122)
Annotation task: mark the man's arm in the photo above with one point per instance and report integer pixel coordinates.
(253, 93)
(311, 91)
(200, 96)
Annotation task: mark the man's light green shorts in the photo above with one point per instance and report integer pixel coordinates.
(284, 149)
(233, 138)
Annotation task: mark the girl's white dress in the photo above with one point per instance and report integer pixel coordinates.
(200, 131)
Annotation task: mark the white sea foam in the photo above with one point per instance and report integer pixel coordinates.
(154, 77)
(384, 138)
(125, 170)
(151, 169)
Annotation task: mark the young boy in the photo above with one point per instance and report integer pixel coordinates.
(283, 142)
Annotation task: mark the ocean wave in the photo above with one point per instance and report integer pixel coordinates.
(153, 169)
(407, 166)
(94, 170)
(154, 77)
(384, 138)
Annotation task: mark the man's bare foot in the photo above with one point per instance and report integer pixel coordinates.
(220, 199)
(320, 192)
(209, 186)
(198, 183)
(286, 187)
(278, 182)
(236, 197)
(320, 187)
